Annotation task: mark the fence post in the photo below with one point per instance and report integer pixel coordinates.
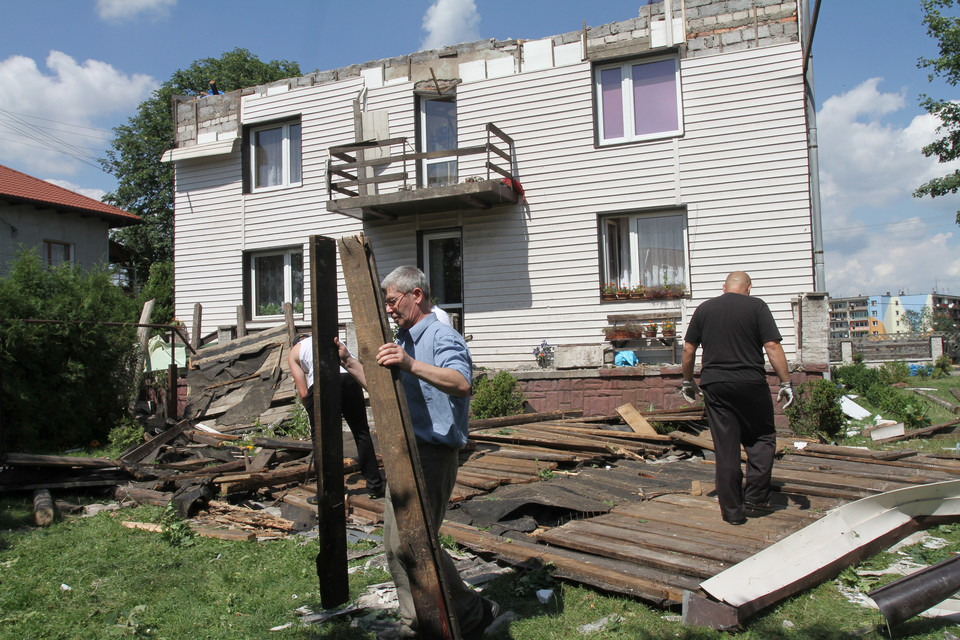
(936, 347)
(846, 351)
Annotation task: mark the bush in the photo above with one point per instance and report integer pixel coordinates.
(497, 397)
(63, 384)
(816, 409)
(857, 377)
(894, 372)
(942, 366)
(159, 288)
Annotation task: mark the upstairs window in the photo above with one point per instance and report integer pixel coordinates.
(645, 249)
(638, 100)
(275, 156)
(276, 277)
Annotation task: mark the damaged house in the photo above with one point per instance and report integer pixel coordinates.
(659, 152)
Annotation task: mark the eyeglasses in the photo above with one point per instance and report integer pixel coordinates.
(392, 302)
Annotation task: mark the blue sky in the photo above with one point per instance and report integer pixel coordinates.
(73, 69)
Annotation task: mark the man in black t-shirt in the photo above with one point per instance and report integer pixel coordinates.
(734, 330)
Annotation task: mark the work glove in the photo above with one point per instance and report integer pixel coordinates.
(689, 391)
(786, 394)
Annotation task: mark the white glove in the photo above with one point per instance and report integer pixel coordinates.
(785, 394)
(690, 391)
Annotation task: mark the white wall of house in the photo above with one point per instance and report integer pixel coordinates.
(26, 226)
(532, 272)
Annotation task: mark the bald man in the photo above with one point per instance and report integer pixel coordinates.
(734, 331)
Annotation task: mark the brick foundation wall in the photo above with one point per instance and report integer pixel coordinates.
(601, 391)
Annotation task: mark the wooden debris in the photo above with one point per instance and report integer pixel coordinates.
(636, 421)
(44, 511)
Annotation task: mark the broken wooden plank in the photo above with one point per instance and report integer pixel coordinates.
(38, 460)
(435, 613)
(949, 406)
(522, 418)
(920, 433)
(636, 421)
(146, 448)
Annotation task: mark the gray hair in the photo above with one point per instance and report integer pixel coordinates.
(405, 279)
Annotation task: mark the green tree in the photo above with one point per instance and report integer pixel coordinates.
(145, 184)
(945, 30)
(64, 384)
(159, 288)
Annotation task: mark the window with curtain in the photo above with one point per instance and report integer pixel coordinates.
(644, 249)
(275, 156)
(57, 253)
(638, 100)
(276, 277)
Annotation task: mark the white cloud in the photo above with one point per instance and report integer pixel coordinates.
(867, 161)
(450, 22)
(119, 10)
(53, 120)
(878, 237)
(96, 194)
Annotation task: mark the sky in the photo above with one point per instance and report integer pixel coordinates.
(71, 70)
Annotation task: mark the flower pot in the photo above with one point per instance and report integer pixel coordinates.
(636, 295)
(608, 296)
(667, 333)
(623, 296)
(650, 334)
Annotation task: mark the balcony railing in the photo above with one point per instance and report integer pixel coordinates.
(351, 174)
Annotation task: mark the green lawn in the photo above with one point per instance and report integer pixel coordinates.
(135, 584)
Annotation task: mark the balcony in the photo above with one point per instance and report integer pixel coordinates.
(377, 179)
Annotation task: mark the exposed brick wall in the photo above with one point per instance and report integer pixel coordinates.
(601, 391)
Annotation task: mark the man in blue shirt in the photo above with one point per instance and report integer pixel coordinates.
(436, 370)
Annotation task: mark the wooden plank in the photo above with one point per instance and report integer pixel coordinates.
(401, 462)
(39, 460)
(523, 418)
(920, 433)
(704, 520)
(146, 448)
(934, 399)
(636, 421)
(588, 543)
(327, 433)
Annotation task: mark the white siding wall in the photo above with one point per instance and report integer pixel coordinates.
(532, 271)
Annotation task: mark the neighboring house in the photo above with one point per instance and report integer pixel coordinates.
(653, 151)
(62, 225)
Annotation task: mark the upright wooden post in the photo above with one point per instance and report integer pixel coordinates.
(291, 325)
(241, 321)
(327, 421)
(401, 462)
(143, 338)
(172, 378)
(197, 323)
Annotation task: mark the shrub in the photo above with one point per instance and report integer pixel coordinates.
(159, 288)
(894, 372)
(64, 384)
(857, 376)
(942, 366)
(816, 409)
(497, 397)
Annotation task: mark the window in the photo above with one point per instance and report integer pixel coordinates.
(276, 277)
(648, 249)
(57, 253)
(438, 132)
(638, 100)
(442, 262)
(274, 156)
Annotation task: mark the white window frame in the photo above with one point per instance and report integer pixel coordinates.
(629, 227)
(426, 163)
(450, 307)
(286, 179)
(49, 244)
(288, 293)
(626, 94)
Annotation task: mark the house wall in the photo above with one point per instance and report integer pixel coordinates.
(87, 235)
(532, 271)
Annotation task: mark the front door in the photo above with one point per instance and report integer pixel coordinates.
(443, 266)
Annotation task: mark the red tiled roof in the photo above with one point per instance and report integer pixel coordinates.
(21, 188)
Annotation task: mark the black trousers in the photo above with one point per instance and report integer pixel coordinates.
(355, 413)
(741, 413)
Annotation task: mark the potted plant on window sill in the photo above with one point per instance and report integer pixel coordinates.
(623, 292)
(637, 292)
(608, 291)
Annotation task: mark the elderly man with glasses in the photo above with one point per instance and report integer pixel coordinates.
(436, 372)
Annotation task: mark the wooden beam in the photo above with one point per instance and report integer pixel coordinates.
(401, 461)
(636, 421)
(327, 431)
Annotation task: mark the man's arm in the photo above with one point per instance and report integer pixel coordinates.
(688, 359)
(450, 381)
(299, 377)
(777, 360)
(351, 364)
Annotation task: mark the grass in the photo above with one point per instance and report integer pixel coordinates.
(133, 584)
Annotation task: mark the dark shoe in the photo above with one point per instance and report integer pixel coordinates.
(757, 505)
(491, 611)
(376, 491)
(312, 500)
(737, 521)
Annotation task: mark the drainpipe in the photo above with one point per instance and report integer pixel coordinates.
(816, 227)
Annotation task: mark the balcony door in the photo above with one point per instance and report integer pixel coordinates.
(438, 133)
(442, 257)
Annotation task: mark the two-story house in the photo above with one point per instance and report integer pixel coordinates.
(666, 149)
